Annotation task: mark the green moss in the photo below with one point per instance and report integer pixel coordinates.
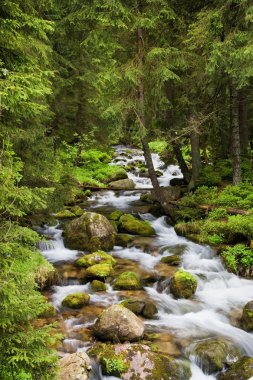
(99, 271)
(123, 240)
(98, 286)
(77, 210)
(183, 284)
(99, 257)
(171, 260)
(133, 225)
(134, 305)
(76, 300)
(241, 370)
(127, 281)
(247, 317)
(65, 214)
(115, 215)
(147, 198)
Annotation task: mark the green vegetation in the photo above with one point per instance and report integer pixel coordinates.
(238, 259)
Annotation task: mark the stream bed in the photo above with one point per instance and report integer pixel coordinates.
(214, 310)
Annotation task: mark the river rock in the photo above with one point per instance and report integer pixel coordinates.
(115, 215)
(99, 271)
(64, 214)
(75, 367)
(183, 284)
(98, 286)
(99, 257)
(241, 370)
(123, 240)
(90, 232)
(127, 281)
(214, 354)
(133, 225)
(173, 260)
(147, 309)
(76, 300)
(118, 324)
(126, 184)
(247, 317)
(137, 361)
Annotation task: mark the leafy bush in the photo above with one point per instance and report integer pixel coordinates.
(203, 195)
(158, 146)
(236, 196)
(241, 224)
(238, 258)
(209, 177)
(218, 213)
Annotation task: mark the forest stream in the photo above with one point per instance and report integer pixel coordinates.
(212, 312)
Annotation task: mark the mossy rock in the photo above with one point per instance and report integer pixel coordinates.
(76, 300)
(146, 309)
(214, 354)
(247, 317)
(99, 257)
(125, 184)
(149, 310)
(90, 232)
(115, 215)
(49, 313)
(127, 281)
(123, 240)
(133, 225)
(99, 271)
(171, 260)
(77, 210)
(121, 174)
(64, 214)
(184, 229)
(98, 286)
(115, 225)
(137, 361)
(183, 284)
(147, 198)
(241, 370)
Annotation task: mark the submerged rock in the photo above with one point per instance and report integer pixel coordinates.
(76, 300)
(75, 367)
(133, 225)
(127, 281)
(183, 284)
(137, 361)
(126, 184)
(90, 232)
(99, 257)
(171, 260)
(241, 370)
(214, 354)
(247, 317)
(118, 324)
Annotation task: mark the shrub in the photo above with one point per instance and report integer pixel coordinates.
(218, 213)
(238, 258)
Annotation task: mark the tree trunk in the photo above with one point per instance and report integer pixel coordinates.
(181, 162)
(236, 151)
(243, 126)
(141, 113)
(196, 159)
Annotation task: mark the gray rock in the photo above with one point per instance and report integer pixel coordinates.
(75, 367)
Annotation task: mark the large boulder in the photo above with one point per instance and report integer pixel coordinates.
(247, 317)
(75, 367)
(183, 284)
(128, 223)
(241, 370)
(137, 361)
(90, 232)
(99, 257)
(124, 184)
(127, 281)
(215, 354)
(76, 300)
(118, 324)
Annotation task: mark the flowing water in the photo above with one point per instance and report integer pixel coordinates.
(212, 312)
